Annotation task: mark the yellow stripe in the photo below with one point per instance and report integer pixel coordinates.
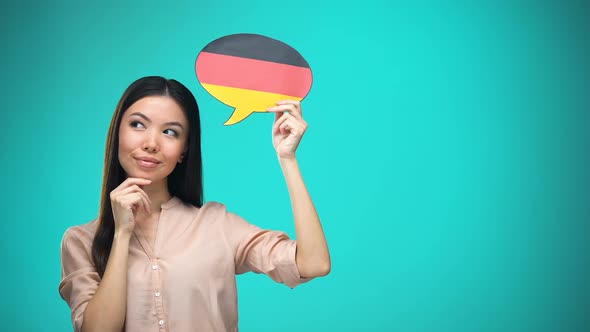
(244, 101)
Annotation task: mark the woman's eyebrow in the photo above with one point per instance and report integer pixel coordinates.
(173, 123)
(141, 115)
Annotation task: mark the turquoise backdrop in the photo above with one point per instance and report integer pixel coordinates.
(447, 154)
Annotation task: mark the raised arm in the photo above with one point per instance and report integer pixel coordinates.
(313, 257)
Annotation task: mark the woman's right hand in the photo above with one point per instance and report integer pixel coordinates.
(126, 200)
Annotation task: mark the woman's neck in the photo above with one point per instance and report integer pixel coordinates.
(158, 194)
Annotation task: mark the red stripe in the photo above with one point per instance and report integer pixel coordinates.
(253, 74)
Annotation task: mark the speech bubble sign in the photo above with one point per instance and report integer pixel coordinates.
(251, 72)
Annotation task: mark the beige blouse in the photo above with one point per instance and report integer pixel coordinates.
(187, 281)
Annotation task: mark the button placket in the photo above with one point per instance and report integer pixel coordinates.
(157, 286)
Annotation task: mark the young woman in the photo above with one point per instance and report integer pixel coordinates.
(157, 258)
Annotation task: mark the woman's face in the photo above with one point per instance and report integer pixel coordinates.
(153, 138)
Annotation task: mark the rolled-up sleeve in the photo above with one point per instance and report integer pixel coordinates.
(80, 279)
(262, 251)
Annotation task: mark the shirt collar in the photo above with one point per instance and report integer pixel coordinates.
(171, 202)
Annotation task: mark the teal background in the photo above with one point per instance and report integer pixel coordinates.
(447, 154)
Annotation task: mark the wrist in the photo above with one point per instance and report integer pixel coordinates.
(122, 236)
(286, 158)
(287, 161)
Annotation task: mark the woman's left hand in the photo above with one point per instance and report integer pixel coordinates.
(288, 128)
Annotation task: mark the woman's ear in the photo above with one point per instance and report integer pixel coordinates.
(183, 153)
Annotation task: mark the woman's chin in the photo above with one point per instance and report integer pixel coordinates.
(140, 175)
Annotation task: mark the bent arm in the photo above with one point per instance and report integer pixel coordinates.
(313, 257)
(106, 310)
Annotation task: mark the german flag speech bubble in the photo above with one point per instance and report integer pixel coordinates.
(251, 72)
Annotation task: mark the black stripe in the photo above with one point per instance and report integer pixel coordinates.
(257, 47)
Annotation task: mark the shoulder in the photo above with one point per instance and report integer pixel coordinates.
(214, 207)
(181, 207)
(213, 211)
(79, 237)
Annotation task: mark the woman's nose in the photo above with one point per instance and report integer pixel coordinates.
(150, 144)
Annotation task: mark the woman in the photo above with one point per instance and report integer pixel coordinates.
(156, 258)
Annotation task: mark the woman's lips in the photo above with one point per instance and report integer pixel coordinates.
(147, 163)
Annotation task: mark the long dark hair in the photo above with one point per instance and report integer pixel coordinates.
(185, 181)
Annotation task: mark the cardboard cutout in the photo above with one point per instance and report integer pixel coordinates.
(251, 73)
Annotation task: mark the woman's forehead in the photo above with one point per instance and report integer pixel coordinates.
(157, 108)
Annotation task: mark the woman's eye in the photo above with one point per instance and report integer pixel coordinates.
(171, 132)
(136, 124)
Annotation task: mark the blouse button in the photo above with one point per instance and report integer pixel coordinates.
(154, 267)
(157, 294)
(161, 322)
